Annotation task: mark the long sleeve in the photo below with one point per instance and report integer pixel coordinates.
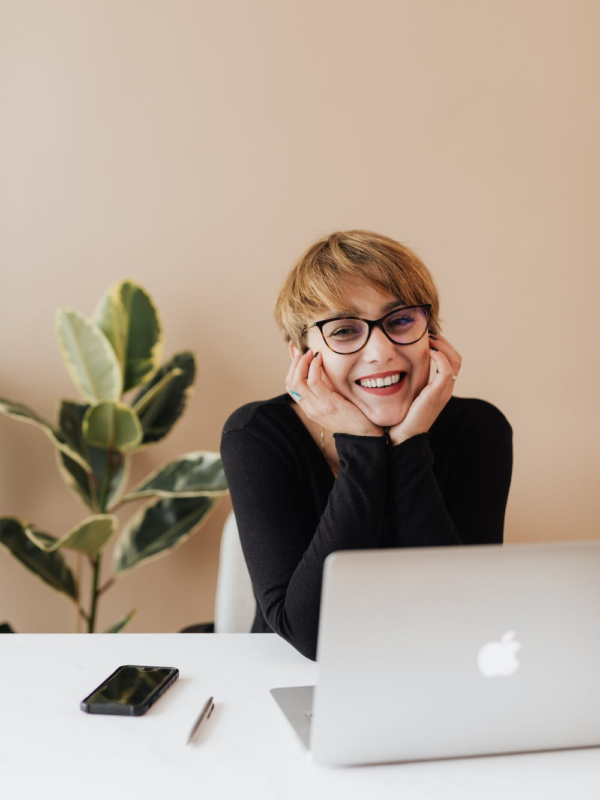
(443, 488)
(473, 462)
(286, 537)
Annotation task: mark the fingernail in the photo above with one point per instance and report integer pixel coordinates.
(435, 348)
(316, 354)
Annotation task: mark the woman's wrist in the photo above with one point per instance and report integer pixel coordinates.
(366, 430)
(373, 433)
(400, 436)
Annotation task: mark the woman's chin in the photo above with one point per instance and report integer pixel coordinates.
(390, 422)
(385, 418)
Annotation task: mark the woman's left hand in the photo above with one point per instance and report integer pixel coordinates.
(426, 407)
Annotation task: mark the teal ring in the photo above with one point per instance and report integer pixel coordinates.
(295, 395)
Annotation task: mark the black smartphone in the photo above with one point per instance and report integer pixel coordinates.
(130, 690)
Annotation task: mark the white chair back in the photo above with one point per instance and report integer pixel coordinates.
(235, 605)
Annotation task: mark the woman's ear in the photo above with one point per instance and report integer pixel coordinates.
(293, 351)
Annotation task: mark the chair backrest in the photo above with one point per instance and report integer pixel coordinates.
(235, 605)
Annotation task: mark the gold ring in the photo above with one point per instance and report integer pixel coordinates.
(453, 378)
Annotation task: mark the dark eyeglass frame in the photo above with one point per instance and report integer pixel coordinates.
(373, 323)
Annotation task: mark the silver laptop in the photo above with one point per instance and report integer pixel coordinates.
(446, 652)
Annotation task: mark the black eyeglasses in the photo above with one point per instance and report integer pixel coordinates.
(346, 335)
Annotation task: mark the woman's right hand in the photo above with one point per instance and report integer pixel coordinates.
(326, 407)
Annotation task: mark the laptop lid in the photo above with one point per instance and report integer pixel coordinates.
(444, 652)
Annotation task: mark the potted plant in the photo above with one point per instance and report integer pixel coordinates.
(115, 352)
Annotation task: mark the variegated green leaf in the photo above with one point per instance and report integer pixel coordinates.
(80, 480)
(88, 356)
(88, 483)
(129, 320)
(43, 540)
(191, 475)
(159, 415)
(113, 426)
(90, 536)
(24, 414)
(158, 528)
(50, 567)
(122, 623)
(157, 388)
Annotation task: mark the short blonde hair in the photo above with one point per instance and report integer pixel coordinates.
(320, 279)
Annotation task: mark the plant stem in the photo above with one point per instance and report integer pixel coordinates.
(96, 561)
(94, 601)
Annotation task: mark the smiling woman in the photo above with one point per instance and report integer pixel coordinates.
(364, 450)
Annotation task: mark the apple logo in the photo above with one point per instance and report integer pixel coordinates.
(499, 658)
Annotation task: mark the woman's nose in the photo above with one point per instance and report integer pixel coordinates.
(379, 348)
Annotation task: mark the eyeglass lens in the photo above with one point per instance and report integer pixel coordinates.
(404, 326)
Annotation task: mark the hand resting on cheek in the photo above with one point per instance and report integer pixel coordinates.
(321, 403)
(428, 404)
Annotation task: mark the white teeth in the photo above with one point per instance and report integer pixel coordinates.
(378, 383)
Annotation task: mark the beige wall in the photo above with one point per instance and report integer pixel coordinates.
(199, 147)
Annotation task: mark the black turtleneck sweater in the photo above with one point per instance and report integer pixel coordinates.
(446, 487)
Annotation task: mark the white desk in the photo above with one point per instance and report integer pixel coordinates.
(50, 749)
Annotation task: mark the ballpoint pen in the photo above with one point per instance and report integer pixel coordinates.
(204, 714)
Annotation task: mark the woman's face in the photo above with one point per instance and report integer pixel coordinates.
(379, 358)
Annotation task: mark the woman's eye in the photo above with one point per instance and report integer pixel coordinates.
(403, 321)
(345, 332)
